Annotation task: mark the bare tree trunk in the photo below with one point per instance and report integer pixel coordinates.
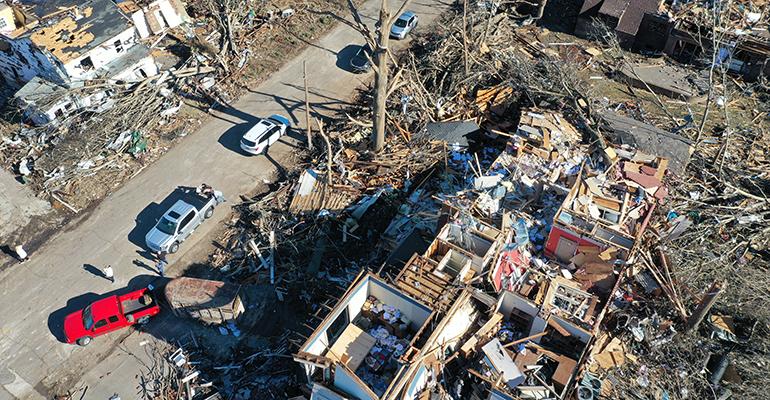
(714, 54)
(381, 76)
(380, 58)
(329, 155)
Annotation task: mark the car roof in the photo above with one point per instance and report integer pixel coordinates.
(407, 15)
(280, 119)
(258, 130)
(180, 208)
(104, 308)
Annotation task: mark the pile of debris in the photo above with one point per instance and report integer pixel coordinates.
(528, 242)
(599, 276)
(188, 370)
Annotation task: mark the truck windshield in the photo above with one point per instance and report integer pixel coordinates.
(167, 226)
(88, 318)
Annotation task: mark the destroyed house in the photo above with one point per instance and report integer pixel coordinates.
(71, 40)
(565, 270)
(63, 44)
(683, 30)
(607, 212)
(44, 101)
(523, 190)
(460, 254)
(504, 349)
(364, 346)
(745, 50)
(636, 23)
(537, 168)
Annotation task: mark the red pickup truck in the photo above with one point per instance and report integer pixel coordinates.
(110, 314)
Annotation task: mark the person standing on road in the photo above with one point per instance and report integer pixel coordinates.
(21, 254)
(109, 274)
(162, 263)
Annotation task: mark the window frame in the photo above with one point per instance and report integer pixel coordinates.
(185, 221)
(86, 66)
(603, 215)
(338, 326)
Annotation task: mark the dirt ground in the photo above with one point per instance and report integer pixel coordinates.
(20, 208)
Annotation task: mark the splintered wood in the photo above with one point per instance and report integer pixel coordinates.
(420, 279)
(312, 194)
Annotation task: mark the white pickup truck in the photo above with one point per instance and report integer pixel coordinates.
(179, 222)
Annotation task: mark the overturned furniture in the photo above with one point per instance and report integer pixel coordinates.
(212, 302)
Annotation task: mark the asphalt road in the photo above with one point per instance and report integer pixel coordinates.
(57, 280)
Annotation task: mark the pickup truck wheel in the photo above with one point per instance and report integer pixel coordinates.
(209, 212)
(143, 320)
(84, 341)
(174, 248)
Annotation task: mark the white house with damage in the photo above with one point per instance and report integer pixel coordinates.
(65, 43)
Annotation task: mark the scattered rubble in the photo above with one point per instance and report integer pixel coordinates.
(573, 228)
(518, 237)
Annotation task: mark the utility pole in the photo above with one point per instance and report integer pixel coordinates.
(272, 257)
(307, 108)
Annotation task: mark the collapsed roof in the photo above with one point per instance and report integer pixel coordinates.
(647, 138)
(69, 28)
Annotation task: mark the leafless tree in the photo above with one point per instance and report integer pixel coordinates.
(379, 42)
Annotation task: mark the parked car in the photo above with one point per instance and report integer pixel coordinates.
(110, 314)
(179, 221)
(262, 135)
(211, 302)
(403, 25)
(360, 62)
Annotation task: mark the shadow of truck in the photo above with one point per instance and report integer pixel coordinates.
(56, 318)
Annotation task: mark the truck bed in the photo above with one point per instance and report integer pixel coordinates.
(195, 200)
(136, 302)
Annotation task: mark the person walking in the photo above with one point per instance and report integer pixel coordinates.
(21, 254)
(162, 263)
(109, 274)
